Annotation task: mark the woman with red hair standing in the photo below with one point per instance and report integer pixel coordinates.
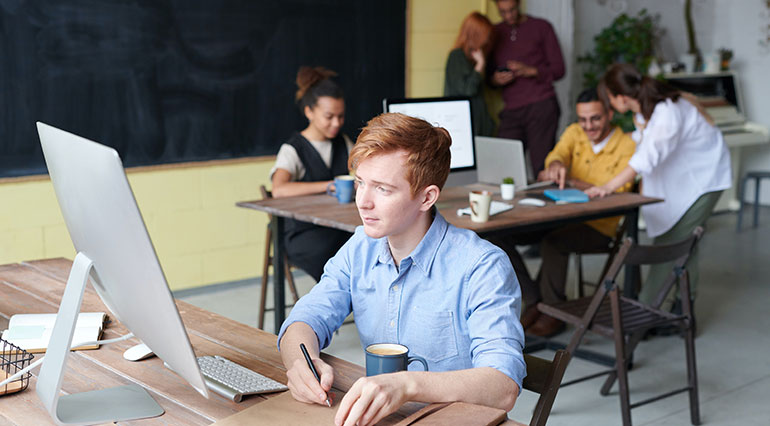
(466, 66)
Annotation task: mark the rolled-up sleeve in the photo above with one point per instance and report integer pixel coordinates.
(494, 305)
(659, 138)
(328, 303)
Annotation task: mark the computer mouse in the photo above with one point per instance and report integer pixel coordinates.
(532, 202)
(138, 352)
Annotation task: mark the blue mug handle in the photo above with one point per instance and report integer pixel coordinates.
(417, 358)
(329, 189)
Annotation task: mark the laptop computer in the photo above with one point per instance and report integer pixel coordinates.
(498, 158)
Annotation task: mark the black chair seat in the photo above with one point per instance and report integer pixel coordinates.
(635, 315)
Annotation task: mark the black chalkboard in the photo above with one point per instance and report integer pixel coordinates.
(186, 80)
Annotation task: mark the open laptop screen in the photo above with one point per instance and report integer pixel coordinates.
(453, 114)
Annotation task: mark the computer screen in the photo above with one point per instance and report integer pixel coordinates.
(453, 114)
(106, 226)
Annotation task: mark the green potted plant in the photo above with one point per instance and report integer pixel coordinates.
(628, 39)
(507, 188)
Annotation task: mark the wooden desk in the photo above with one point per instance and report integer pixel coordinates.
(37, 287)
(324, 210)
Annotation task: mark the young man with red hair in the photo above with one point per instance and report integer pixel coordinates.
(410, 278)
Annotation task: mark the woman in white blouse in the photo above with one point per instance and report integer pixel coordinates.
(680, 156)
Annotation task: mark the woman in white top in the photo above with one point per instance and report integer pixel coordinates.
(681, 157)
(308, 162)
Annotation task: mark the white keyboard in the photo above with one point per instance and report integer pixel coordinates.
(233, 381)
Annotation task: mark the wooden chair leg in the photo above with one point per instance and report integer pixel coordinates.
(692, 370)
(620, 359)
(290, 280)
(263, 289)
(692, 376)
(580, 282)
(633, 341)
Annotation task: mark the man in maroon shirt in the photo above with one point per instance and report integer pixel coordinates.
(526, 61)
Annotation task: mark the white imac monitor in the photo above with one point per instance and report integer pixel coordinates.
(453, 114)
(115, 251)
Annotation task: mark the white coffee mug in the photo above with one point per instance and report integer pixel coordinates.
(480, 202)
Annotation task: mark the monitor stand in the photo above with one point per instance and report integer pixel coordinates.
(101, 406)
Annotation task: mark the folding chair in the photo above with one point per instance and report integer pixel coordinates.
(611, 250)
(268, 261)
(625, 320)
(544, 378)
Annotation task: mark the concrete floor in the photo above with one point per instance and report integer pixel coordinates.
(732, 344)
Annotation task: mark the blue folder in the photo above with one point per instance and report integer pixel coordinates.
(566, 195)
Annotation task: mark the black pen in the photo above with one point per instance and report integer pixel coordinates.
(312, 368)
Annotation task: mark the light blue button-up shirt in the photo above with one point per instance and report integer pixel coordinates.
(454, 300)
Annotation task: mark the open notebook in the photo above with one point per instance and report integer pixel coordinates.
(494, 208)
(32, 332)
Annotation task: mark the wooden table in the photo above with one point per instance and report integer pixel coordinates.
(324, 210)
(37, 287)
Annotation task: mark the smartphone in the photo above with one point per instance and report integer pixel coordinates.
(502, 69)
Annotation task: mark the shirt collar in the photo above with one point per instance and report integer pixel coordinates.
(425, 253)
(610, 141)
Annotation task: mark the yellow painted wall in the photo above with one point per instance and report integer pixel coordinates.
(200, 236)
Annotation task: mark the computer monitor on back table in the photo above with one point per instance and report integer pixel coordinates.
(453, 114)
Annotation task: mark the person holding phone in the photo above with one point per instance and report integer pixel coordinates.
(466, 66)
(526, 60)
(681, 157)
(308, 162)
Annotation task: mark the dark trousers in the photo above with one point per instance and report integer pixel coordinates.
(310, 249)
(555, 248)
(535, 125)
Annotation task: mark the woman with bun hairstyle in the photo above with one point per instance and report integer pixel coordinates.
(309, 161)
(681, 157)
(466, 66)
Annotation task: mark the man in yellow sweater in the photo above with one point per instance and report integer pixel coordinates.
(590, 152)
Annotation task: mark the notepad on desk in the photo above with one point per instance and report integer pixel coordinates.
(566, 195)
(494, 208)
(32, 332)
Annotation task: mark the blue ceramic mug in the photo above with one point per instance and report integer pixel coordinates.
(342, 188)
(383, 358)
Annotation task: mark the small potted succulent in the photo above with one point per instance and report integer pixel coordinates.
(507, 188)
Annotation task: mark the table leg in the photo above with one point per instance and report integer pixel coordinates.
(279, 278)
(632, 277)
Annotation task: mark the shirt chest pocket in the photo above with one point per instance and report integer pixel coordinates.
(431, 335)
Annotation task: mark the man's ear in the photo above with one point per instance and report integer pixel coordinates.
(429, 196)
